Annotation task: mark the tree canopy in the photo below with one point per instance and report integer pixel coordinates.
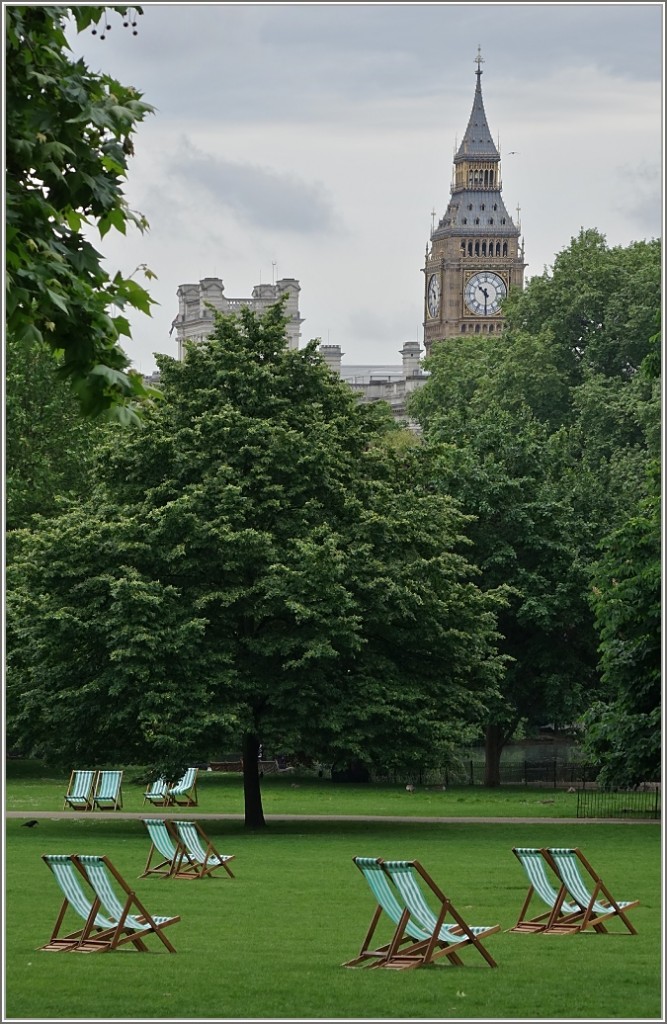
(551, 428)
(68, 137)
(259, 564)
(623, 727)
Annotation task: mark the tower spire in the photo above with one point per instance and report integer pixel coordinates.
(477, 141)
(479, 60)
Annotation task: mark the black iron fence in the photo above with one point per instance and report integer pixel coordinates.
(541, 773)
(619, 803)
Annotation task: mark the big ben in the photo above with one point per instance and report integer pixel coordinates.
(475, 257)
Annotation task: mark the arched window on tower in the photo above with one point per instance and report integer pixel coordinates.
(476, 248)
(483, 248)
(469, 248)
(463, 248)
(497, 248)
(504, 248)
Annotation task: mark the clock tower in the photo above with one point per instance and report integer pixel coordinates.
(474, 258)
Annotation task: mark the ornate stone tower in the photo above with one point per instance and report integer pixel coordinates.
(475, 257)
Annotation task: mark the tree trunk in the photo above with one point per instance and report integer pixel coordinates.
(494, 743)
(252, 794)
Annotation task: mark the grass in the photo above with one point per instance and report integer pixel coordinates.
(30, 787)
(270, 943)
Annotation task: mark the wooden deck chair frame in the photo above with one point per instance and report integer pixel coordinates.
(444, 937)
(593, 897)
(80, 789)
(165, 844)
(158, 793)
(394, 911)
(108, 790)
(132, 921)
(562, 916)
(184, 792)
(83, 902)
(200, 850)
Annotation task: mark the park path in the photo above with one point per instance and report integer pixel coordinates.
(408, 819)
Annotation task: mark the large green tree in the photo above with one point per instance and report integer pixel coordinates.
(261, 563)
(523, 536)
(551, 427)
(68, 136)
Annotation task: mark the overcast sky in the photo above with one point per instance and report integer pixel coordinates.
(314, 140)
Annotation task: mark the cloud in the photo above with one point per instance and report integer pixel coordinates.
(641, 187)
(313, 141)
(256, 195)
(252, 62)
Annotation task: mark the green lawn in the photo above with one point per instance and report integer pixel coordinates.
(30, 787)
(270, 943)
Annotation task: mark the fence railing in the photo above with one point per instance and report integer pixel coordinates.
(543, 773)
(618, 803)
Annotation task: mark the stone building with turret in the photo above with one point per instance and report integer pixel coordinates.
(194, 321)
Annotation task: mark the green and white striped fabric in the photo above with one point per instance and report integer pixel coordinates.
(534, 866)
(69, 880)
(187, 831)
(81, 789)
(378, 882)
(185, 784)
(157, 790)
(98, 877)
(160, 837)
(108, 786)
(567, 863)
(402, 875)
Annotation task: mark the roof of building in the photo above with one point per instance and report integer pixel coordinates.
(477, 143)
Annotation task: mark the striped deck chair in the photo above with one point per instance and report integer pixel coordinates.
(108, 790)
(200, 850)
(98, 929)
(598, 906)
(175, 863)
(444, 937)
(130, 927)
(395, 912)
(561, 916)
(184, 792)
(80, 790)
(158, 793)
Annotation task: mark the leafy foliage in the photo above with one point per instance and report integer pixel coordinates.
(551, 428)
(624, 727)
(49, 446)
(262, 561)
(68, 138)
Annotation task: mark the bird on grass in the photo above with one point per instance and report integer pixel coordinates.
(410, 788)
(30, 824)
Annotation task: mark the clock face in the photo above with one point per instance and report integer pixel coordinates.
(484, 292)
(433, 295)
